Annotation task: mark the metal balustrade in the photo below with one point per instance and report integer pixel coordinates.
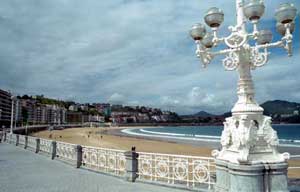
(45, 146)
(22, 140)
(13, 138)
(191, 171)
(66, 151)
(293, 170)
(104, 160)
(186, 171)
(31, 143)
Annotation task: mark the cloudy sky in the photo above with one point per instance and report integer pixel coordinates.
(133, 52)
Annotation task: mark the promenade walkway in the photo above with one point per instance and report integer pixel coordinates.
(24, 171)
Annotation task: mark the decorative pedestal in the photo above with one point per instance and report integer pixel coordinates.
(249, 160)
(78, 151)
(251, 178)
(131, 165)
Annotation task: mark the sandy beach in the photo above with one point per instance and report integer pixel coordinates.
(113, 138)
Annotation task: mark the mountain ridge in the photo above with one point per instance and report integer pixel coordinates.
(272, 107)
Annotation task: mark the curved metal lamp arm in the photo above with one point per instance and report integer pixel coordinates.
(238, 41)
(204, 54)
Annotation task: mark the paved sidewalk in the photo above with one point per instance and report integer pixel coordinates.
(24, 171)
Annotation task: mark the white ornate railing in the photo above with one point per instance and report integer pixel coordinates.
(187, 171)
(104, 160)
(296, 168)
(13, 138)
(191, 171)
(31, 142)
(45, 145)
(22, 140)
(65, 151)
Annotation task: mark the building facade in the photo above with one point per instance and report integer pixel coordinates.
(5, 108)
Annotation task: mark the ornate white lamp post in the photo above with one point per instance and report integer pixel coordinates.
(12, 114)
(249, 159)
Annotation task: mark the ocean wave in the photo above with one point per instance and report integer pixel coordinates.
(179, 134)
(208, 138)
(289, 140)
(130, 132)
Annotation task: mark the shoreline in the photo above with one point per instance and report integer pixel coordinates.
(114, 138)
(132, 125)
(293, 150)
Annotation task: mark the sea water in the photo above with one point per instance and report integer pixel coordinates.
(289, 135)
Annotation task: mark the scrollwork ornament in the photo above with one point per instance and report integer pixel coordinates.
(94, 159)
(205, 58)
(231, 61)
(201, 173)
(122, 162)
(259, 59)
(162, 167)
(111, 161)
(145, 165)
(235, 40)
(180, 169)
(102, 160)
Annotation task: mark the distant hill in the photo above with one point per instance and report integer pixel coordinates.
(280, 111)
(203, 114)
(280, 107)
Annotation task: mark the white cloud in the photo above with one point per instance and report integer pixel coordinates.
(88, 50)
(116, 98)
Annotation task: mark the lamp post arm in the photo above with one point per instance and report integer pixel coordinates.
(271, 45)
(223, 52)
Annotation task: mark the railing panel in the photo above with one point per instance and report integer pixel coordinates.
(104, 160)
(294, 166)
(66, 151)
(22, 140)
(45, 145)
(191, 171)
(13, 138)
(187, 171)
(31, 143)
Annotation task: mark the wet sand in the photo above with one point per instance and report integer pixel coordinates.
(115, 139)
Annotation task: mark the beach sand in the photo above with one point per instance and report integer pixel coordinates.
(102, 137)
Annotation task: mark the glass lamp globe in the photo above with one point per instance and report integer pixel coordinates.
(281, 29)
(286, 13)
(264, 37)
(198, 31)
(214, 17)
(254, 9)
(207, 40)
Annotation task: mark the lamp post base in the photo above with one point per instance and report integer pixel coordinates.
(264, 177)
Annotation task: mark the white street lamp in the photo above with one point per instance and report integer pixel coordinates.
(12, 114)
(249, 143)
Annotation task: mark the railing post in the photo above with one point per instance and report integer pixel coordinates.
(37, 147)
(17, 140)
(5, 136)
(10, 138)
(78, 156)
(131, 165)
(53, 148)
(26, 142)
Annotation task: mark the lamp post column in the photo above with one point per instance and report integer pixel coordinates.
(12, 115)
(240, 18)
(249, 159)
